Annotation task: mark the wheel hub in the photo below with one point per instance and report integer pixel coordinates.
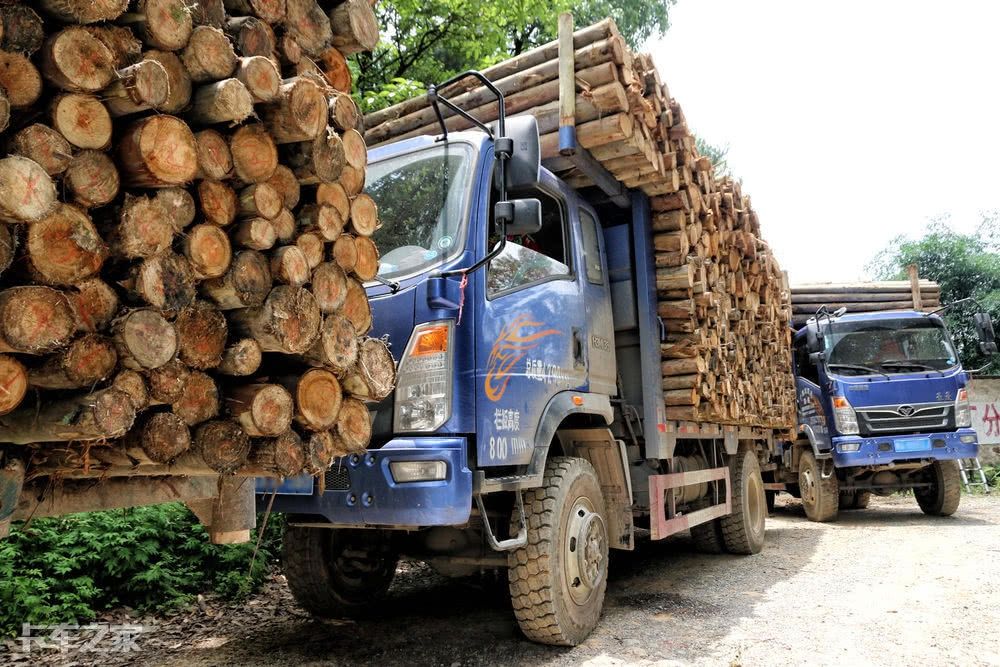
(585, 551)
(807, 486)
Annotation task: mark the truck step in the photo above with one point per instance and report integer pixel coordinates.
(973, 474)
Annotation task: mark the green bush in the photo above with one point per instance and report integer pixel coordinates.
(67, 569)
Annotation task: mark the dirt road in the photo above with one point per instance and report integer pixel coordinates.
(884, 586)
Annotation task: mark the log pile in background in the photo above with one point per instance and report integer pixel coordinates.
(722, 296)
(177, 177)
(863, 297)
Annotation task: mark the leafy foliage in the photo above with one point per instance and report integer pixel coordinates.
(67, 569)
(965, 265)
(718, 154)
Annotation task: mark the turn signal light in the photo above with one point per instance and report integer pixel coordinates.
(432, 340)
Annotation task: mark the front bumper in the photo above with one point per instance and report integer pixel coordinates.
(362, 492)
(891, 449)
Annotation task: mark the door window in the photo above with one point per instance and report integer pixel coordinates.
(535, 258)
(591, 249)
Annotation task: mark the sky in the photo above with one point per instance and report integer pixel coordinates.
(849, 122)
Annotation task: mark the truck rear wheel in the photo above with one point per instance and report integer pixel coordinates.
(743, 529)
(820, 496)
(558, 580)
(944, 494)
(707, 537)
(334, 572)
(854, 500)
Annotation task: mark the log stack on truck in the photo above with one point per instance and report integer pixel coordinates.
(864, 297)
(183, 253)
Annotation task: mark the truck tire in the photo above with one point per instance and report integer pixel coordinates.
(945, 493)
(771, 496)
(854, 500)
(558, 580)
(707, 537)
(862, 499)
(334, 572)
(743, 529)
(820, 497)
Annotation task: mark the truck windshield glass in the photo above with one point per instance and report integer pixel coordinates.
(888, 346)
(422, 200)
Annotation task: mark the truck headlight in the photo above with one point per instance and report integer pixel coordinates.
(963, 413)
(423, 383)
(845, 420)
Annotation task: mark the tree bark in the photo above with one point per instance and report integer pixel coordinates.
(201, 336)
(246, 283)
(255, 156)
(65, 248)
(74, 11)
(289, 266)
(45, 146)
(321, 450)
(144, 339)
(34, 320)
(139, 87)
(178, 80)
(76, 61)
(223, 445)
(242, 358)
(218, 202)
(92, 179)
(288, 321)
(261, 77)
(83, 120)
(13, 382)
(27, 193)
(354, 426)
(166, 281)
(158, 151)
(209, 55)
(354, 26)
(226, 101)
(21, 28)
(99, 416)
(208, 250)
(374, 376)
(87, 361)
(337, 347)
(9, 242)
(261, 409)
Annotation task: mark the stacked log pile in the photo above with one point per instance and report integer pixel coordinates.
(864, 297)
(185, 237)
(722, 296)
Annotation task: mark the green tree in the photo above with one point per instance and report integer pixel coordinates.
(719, 155)
(965, 265)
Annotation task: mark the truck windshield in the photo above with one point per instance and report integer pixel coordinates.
(422, 200)
(888, 346)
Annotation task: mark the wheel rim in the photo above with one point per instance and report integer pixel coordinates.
(585, 551)
(807, 485)
(756, 503)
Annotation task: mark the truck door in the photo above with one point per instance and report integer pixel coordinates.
(532, 342)
(809, 397)
(600, 341)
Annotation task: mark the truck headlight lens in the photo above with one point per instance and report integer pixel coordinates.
(963, 414)
(418, 471)
(845, 420)
(423, 384)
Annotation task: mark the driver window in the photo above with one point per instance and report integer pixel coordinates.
(531, 258)
(806, 368)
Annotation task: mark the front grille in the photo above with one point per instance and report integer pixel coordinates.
(337, 478)
(926, 417)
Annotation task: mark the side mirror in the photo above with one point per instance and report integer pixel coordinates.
(984, 329)
(817, 358)
(525, 162)
(814, 343)
(519, 217)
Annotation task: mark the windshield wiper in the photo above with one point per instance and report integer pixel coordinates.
(902, 363)
(857, 367)
(391, 284)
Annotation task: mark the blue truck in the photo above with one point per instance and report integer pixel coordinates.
(527, 431)
(882, 405)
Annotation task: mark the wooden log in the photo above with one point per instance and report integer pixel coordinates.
(139, 87)
(218, 202)
(222, 444)
(209, 55)
(208, 251)
(260, 76)
(683, 366)
(261, 409)
(143, 228)
(98, 416)
(21, 28)
(252, 36)
(226, 101)
(4, 111)
(337, 347)
(134, 386)
(284, 181)
(245, 284)
(374, 376)
(162, 24)
(165, 281)
(260, 200)
(329, 286)
(20, 80)
(312, 246)
(214, 159)
(354, 426)
(44, 145)
(14, 381)
(87, 361)
(76, 61)
(321, 450)
(179, 206)
(355, 150)
(242, 358)
(156, 152)
(83, 120)
(285, 226)
(354, 26)
(201, 336)
(334, 68)
(284, 454)
(318, 399)
(9, 242)
(344, 114)
(208, 12)
(352, 180)
(199, 401)
(366, 267)
(144, 339)
(364, 215)
(92, 179)
(356, 307)
(255, 156)
(255, 233)
(325, 220)
(345, 252)
(322, 161)
(64, 248)
(121, 41)
(166, 383)
(289, 266)
(34, 320)
(178, 81)
(94, 304)
(288, 321)
(681, 381)
(269, 11)
(299, 112)
(333, 194)
(681, 396)
(308, 25)
(74, 11)
(165, 436)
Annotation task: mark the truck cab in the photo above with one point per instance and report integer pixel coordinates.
(882, 405)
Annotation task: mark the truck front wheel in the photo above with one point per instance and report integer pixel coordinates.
(334, 572)
(558, 579)
(820, 495)
(942, 497)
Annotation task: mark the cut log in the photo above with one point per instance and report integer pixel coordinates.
(166, 281)
(76, 61)
(345, 252)
(364, 215)
(356, 307)
(158, 151)
(102, 415)
(45, 146)
(218, 202)
(318, 399)
(366, 268)
(299, 112)
(92, 179)
(4, 111)
(288, 321)
(134, 386)
(312, 247)
(20, 80)
(284, 455)
(8, 246)
(289, 266)
(209, 55)
(143, 228)
(354, 426)
(337, 347)
(242, 358)
(27, 193)
(252, 36)
(166, 383)
(65, 247)
(208, 250)
(374, 376)
(83, 120)
(75, 11)
(223, 445)
(329, 286)
(306, 22)
(21, 28)
(260, 200)
(333, 194)
(269, 11)
(201, 336)
(285, 227)
(179, 206)
(352, 180)
(208, 12)
(255, 156)
(94, 304)
(261, 409)
(165, 436)
(121, 41)
(256, 233)
(162, 24)
(284, 181)
(199, 401)
(226, 101)
(178, 80)
(344, 114)
(260, 76)
(354, 26)
(214, 159)
(333, 65)
(34, 320)
(322, 161)
(246, 283)
(87, 361)
(13, 382)
(324, 220)
(321, 451)
(355, 150)
(139, 87)
(144, 339)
